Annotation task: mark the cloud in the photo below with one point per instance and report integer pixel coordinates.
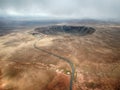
(98, 9)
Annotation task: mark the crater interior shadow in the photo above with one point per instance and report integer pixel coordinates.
(73, 30)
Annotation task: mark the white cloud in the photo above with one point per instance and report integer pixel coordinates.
(13, 12)
(98, 9)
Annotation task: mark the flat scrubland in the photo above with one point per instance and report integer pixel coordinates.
(96, 58)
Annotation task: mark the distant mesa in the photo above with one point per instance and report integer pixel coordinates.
(74, 30)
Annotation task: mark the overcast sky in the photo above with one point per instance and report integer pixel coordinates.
(69, 9)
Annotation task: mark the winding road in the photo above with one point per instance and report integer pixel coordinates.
(60, 57)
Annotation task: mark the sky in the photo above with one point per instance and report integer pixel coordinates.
(62, 9)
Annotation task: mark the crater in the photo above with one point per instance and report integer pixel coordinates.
(73, 30)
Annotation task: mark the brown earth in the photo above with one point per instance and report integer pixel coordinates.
(96, 58)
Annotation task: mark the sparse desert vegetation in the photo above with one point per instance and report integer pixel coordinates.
(96, 58)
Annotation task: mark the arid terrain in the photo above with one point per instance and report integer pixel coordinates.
(96, 58)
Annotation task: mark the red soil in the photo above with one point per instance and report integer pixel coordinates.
(0, 81)
(60, 82)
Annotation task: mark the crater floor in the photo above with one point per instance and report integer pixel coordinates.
(74, 30)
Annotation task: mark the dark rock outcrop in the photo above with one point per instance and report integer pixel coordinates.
(75, 30)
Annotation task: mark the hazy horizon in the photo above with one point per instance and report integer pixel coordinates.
(64, 9)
